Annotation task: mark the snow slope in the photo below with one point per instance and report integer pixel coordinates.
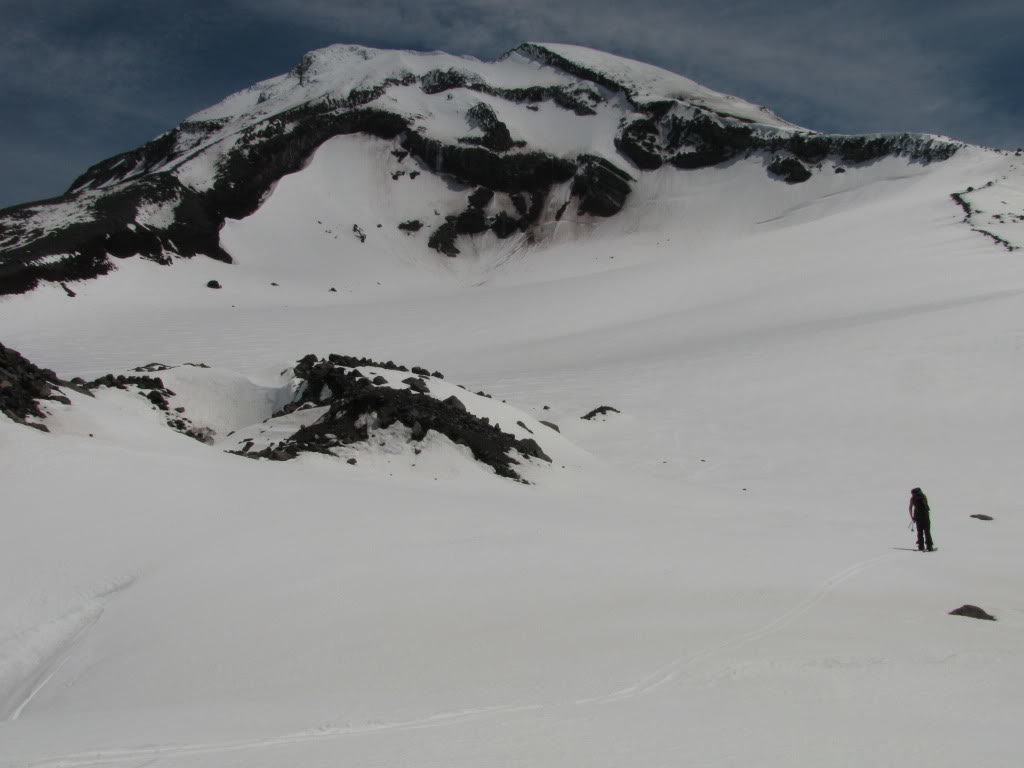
(721, 575)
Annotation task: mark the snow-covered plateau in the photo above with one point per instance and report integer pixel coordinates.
(645, 501)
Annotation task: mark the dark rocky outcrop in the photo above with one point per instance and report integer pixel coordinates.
(23, 385)
(479, 166)
(972, 612)
(83, 249)
(356, 406)
(481, 197)
(982, 517)
(790, 169)
(443, 238)
(639, 142)
(601, 188)
(496, 134)
(440, 80)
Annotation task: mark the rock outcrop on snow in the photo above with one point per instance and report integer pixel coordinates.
(351, 408)
(601, 410)
(23, 385)
(169, 198)
(340, 401)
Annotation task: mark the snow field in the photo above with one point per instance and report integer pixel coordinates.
(721, 576)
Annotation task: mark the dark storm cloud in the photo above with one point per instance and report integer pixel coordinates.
(83, 79)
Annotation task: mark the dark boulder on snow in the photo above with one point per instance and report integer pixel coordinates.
(601, 410)
(972, 612)
(982, 517)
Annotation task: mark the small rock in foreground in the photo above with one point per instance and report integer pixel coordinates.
(972, 612)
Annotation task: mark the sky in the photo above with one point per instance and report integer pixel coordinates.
(82, 80)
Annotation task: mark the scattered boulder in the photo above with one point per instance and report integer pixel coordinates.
(213, 284)
(982, 517)
(412, 225)
(972, 612)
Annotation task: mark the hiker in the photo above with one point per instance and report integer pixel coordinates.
(919, 515)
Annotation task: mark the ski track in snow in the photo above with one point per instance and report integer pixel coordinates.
(647, 685)
(81, 620)
(56, 662)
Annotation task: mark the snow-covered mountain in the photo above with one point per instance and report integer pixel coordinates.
(408, 409)
(545, 134)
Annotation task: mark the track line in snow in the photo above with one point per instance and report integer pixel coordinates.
(154, 753)
(670, 671)
(642, 687)
(56, 663)
(47, 648)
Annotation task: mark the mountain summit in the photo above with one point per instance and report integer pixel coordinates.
(546, 133)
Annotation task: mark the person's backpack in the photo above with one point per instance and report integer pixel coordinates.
(921, 503)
